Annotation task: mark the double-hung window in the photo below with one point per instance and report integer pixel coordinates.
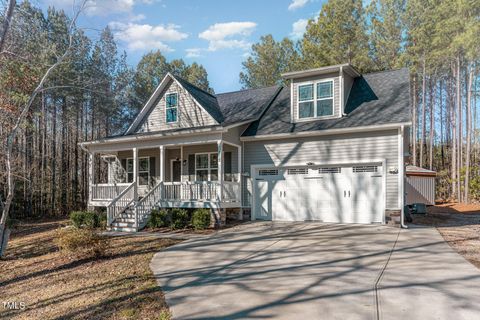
(143, 170)
(206, 166)
(315, 99)
(171, 107)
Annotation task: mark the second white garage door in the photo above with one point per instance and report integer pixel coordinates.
(352, 194)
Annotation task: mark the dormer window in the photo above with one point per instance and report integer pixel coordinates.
(171, 107)
(315, 99)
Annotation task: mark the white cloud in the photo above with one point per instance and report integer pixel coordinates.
(228, 35)
(193, 52)
(100, 7)
(145, 36)
(296, 4)
(298, 28)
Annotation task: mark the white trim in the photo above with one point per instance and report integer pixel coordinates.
(171, 169)
(160, 135)
(274, 136)
(401, 176)
(231, 144)
(314, 83)
(176, 107)
(292, 118)
(319, 71)
(138, 171)
(254, 169)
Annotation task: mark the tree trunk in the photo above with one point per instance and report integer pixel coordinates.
(432, 124)
(459, 131)
(414, 120)
(423, 136)
(468, 128)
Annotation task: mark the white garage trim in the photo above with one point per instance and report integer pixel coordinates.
(254, 170)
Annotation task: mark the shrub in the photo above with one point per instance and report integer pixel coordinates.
(77, 218)
(102, 220)
(81, 243)
(91, 219)
(87, 219)
(180, 218)
(201, 219)
(158, 218)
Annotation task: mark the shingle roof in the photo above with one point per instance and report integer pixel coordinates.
(207, 100)
(414, 170)
(375, 98)
(232, 107)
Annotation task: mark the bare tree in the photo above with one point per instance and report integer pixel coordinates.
(13, 133)
(6, 23)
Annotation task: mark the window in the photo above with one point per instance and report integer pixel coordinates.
(268, 172)
(315, 99)
(206, 166)
(143, 170)
(296, 171)
(329, 170)
(365, 169)
(171, 107)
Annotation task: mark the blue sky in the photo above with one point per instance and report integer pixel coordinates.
(216, 34)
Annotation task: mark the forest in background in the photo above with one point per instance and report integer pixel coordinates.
(94, 93)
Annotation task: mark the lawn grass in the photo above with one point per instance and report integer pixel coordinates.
(53, 286)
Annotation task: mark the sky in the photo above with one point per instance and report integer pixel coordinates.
(216, 34)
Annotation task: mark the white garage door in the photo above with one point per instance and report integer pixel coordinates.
(352, 194)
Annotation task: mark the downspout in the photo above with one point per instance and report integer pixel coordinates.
(402, 178)
(342, 93)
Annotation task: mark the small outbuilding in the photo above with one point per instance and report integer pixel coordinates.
(420, 185)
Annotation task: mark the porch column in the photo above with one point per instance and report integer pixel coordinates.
(162, 163)
(181, 163)
(220, 169)
(91, 161)
(135, 173)
(240, 168)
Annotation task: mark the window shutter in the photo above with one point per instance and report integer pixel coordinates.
(152, 170)
(228, 166)
(123, 172)
(191, 167)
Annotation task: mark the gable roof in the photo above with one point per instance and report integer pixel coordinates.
(227, 109)
(375, 98)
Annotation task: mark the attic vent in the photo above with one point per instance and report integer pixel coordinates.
(268, 172)
(365, 169)
(297, 171)
(329, 170)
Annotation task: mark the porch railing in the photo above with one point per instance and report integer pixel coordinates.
(146, 204)
(120, 203)
(191, 191)
(201, 191)
(231, 191)
(105, 191)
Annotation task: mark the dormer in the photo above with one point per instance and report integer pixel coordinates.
(321, 93)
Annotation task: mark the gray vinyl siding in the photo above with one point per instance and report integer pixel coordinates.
(354, 147)
(336, 94)
(189, 114)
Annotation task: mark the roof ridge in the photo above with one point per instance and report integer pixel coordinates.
(249, 89)
(385, 71)
(196, 87)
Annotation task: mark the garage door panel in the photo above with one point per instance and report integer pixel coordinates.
(329, 194)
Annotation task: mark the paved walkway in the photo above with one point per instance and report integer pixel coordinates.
(318, 271)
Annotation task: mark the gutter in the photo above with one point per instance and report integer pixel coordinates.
(325, 132)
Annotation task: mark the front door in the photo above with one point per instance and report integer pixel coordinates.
(176, 170)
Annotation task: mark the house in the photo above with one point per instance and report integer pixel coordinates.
(330, 147)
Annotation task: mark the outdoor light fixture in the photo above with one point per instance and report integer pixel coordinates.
(310, 163)
(184, 162)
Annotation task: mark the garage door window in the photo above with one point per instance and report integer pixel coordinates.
(360, 169)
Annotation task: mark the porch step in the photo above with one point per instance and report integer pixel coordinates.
(122, 229)
(130, 220)
(122, 224)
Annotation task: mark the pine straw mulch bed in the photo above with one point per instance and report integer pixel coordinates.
(459, 224)
(53, 286)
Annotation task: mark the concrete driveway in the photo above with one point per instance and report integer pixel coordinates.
(269, 270)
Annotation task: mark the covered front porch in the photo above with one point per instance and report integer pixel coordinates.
(183, 175)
